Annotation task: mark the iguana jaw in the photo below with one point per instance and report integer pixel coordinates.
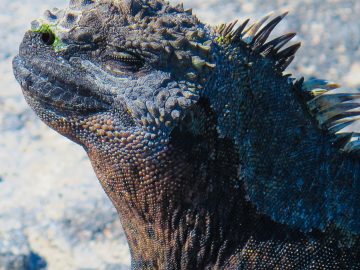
(42, 84)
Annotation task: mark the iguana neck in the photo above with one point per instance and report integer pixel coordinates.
(181, 207)
(284, 153)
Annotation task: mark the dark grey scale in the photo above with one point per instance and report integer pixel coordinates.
(68, 96)
(39, 84)
(162, 111)
(184, 102)
(94, 103)
(175, 93)
(54, 12)
(170, 103)
(50, 16)
(84, 104)
(83, 35)
(150, 118)
(161, 98)
(87, 2)
(136, 112)
(152, 109)
(71, 18)
(76, 3)
(47, 89)
(78, 101)
(90, 21)
(175, 114)
(139, 103)
(56, 92)
(63, 97)
(133, 96)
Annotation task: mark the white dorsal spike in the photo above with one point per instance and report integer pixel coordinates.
(337, 111)
(249, 33)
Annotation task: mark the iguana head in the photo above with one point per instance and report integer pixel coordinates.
(124, 78)
(118, 77)
(144, 61)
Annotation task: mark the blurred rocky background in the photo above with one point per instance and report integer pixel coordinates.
(53, 212)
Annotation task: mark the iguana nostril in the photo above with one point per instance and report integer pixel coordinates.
(48, 38)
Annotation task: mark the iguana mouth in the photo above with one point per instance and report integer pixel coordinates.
(47, 89)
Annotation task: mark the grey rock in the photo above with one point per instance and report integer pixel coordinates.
(16, 254)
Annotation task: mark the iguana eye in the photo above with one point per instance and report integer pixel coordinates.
(123, 62)
(48, 38)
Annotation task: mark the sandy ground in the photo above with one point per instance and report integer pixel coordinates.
(53, 212)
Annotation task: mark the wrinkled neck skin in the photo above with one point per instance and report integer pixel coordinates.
(181, 204)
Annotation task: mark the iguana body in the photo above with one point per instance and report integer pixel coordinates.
(213, 158)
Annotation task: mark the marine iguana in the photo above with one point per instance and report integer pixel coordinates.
(213, 158)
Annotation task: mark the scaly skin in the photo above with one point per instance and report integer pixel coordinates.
(207, 151)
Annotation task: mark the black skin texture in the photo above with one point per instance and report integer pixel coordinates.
(145, 103)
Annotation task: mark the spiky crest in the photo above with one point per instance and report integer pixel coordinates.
(336, 110)
(255, 37)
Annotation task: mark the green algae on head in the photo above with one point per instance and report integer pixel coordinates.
(49, 34)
